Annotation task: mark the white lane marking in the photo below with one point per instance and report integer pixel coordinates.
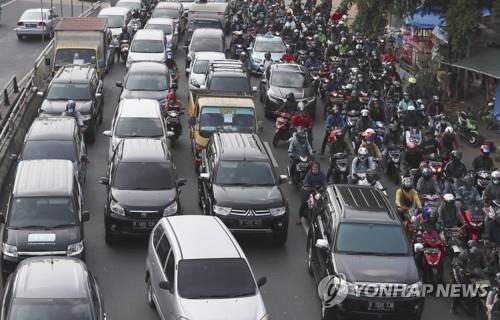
(6, 4)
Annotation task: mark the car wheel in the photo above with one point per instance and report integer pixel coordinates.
(108, 236)
(310, 255)
(149, 292)
(19, 37)
(280, 236)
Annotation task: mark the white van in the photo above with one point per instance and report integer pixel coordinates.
(148, 45)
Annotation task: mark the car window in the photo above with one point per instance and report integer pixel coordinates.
(53, 149)
(114, 21)
(69, 91)
(139, 127)
(165, 13)
(143, 176)
(237, 84)
(48, 309)
(252, 173)
(146, 82)
(147, 46)
(289, 80)
(163, 249)
(210, 24)
(157, 233)
(200, 44)
(34, 15)
(276, 45)
(227, 119)
(166, 28)
(200, 66)
(49, 212)
(170, 267)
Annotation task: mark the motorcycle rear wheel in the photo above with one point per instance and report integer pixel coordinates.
(473, 139)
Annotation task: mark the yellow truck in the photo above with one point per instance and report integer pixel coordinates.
(83, 40)
(211, 112)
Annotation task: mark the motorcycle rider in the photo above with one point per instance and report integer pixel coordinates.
(429, 144)
(368, 142)
(426, 184)
(467, 195)
(288, 56)
(483, 161)
(302, 119)
(267, 63)
(312, 62)
(448, 141)
(412, 88)
(343, 47)
(333, 120)
(170, 62)
(454, 171)
(299, 146)
(124, 36)
(492, 190)
(407, 197)
(450, 215)
(412, 118)
(290, 104)
(364, 121)
(361, 164)
(433, 109)
(405, 102)
(377, 112)
(72, 112)
(314, 179)
(493, 228)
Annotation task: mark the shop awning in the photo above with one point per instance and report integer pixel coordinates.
(426, 18)
(486, 62)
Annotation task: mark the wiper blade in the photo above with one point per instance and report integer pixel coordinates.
(32, 227)
(64, 225)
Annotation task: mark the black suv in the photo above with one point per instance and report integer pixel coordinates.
(238, 183)
(80, 83)
(228, 76)
(285, 78)
(142, 187)
(358, 234)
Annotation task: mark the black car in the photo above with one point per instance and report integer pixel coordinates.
(238, 183)
(204, 39)
(52, 288)
(200, 22)
(285, 78)
(81, 84)
(141, 188)
(45, 214)
(358, 234)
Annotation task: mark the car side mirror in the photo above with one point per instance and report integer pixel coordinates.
(106, 133)
(262, 281)
(119, 84)
(170, 134)
(283, 178)
(203, 87)
(204, 176)
(165, 285)
(254, 89)
(181, 182)
(40, 94)
(192, 121)
(188, 70)
(322, 244)
(98, 94)
(418, 247)
(2, 217)
(47, 61)
(104, 180)
(85, 215)
(84, 158)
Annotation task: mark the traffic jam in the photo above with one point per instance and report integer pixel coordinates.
(210, 131)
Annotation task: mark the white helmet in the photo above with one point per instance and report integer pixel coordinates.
(364, 113)
(363, 152)
(448, 129)
(301, 106)
(495, 177)
(369, 131)
(411, 108)
(448, 197)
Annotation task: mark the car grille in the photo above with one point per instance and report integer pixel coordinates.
(136, 214)
(250, 212)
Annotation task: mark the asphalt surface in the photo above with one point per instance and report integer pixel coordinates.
(290, 293)
(17, 57)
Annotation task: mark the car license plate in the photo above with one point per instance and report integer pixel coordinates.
(29, 25)
(380, 306)
(143, 224)
(251, 223)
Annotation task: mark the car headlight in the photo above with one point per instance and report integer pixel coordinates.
(277, 211)
(274, 98)
(74, 249)
(116, 208)
(9, 250)
(129, 63)
(223, 211)
(189, 57)
(170, 209)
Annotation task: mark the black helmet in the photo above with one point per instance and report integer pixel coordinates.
(71, 106)
(407, 183)
(456, 154)
(433, 214)
(290, 96)
(301, 136)
(376, 94)
(267, 55)
(469, 181)
(311, 54)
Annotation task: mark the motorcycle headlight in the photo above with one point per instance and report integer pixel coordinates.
(116, 208)
(9, 250)
(74, 249)
(171, 209)
(223, 211)
(277, 211)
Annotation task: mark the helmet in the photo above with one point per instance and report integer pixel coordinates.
(455, 154)
(290, 96)
(364, 112)
(355, 94)
(362, 153)
(267, 55)
(311, 54)
(435, 98)
(349, 87)
(70, 106)
(289, 50)
(425, 213)
(301, 106)
(449, 198)
(433, 214)
(497, 279)
(376, 94)
(124, 28)
(469, 181)
(359, 47)
(407, 183)
(412, 80)
(426, 173)
(495, 177)
(485, 150)
(475, 251)
(448, 130)
(406, 94)
(411, 108)
(332, 76)
(243, 54)
(301, 136)
(343, 40)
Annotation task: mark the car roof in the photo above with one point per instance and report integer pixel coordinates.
(148, 66)
(240, 146)
(287, 67)
(51, 277)
(209, 55)
(52, 128)
(208, 33)
(229, 73)
(37, 9)
(149, 34)
(74, 74)
(139, 108)
(362, 204)
(114, 11)
(143, 150)
(133, 1)
(43, 178)
(268, 37)
(203, 237)
(169, 5)
(160, 21)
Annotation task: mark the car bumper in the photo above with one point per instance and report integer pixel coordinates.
(9, 264)
(255, 225)
(357, 307)
(32, 32)
(132, 226)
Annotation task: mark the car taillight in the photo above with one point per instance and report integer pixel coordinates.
(41, 24)
(20, 24)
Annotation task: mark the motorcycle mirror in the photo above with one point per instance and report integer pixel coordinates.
(322, 244)
(170, 134)
(418, 247)
(283, 178)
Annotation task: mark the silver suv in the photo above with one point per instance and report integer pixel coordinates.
(196, 270)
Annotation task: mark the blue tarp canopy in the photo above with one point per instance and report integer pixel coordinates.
(426, 18)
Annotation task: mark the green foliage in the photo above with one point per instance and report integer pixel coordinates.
(463, 17)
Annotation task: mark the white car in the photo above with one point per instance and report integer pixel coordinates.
(117, 17)
(36, 22)
(168, 26)
(129, 4)
(196, 270)
(198, 69)
(136, 118)
(147, 45)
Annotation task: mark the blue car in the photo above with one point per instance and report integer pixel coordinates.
(265, 43)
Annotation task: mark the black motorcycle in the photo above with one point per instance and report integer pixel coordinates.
(338, 169)
(393, 165)
(302, 165)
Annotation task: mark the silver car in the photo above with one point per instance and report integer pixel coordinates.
(196, 270)
(168, 26)
(198, 70)
(36, 22)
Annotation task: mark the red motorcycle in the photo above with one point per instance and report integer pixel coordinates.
(431, 261)
(474, 221)
(282, 127)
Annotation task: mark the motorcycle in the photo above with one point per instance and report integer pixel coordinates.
(393, 164)
(352, 119)
(282, 129)
(431, 260)
(172, 113)
(338, 169)
(482, 180)
(301, 168)
(135, 24)
(313, 202)
(174, 81)
(473, 305)
(124, 49)
(379, 133)
(467, 129)
(474, 221)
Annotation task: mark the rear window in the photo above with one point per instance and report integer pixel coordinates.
(69, 91)
(146, 82)
(215, 279)
(165, 13)
(34, 15)
(166, 28)
(55, 149)
(114, 21)
(139, 127)
(143, 176)
(210, 24)
(199, 44)
(237, 84)
(147, 46)
(49, 309)
(200, 66)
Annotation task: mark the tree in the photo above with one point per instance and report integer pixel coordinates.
(463, 17)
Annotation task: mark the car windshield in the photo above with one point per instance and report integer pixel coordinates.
(143, 176)
(139, 127)
(366, 238)
(215, 279)
(270, 45)
(289, 80)
(114, 21)
(165, 13)
(166, 28)
(252, 173)
(41, 212)
(53, 149)
(147, 46)
(33, 15)
(49, 309)
(200, 66)
(206, 44)
(236, 84)
(69, 91)
(146, 82)
(227, 119)
(128, 5)
(210, 24)
(66, 56)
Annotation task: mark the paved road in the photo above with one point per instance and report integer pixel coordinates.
(17, 57)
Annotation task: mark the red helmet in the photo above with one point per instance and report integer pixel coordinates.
(171, 95)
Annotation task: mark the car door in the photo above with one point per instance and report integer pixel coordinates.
(81, 154)
(162, 251)
(95, 295)
(323, 255)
